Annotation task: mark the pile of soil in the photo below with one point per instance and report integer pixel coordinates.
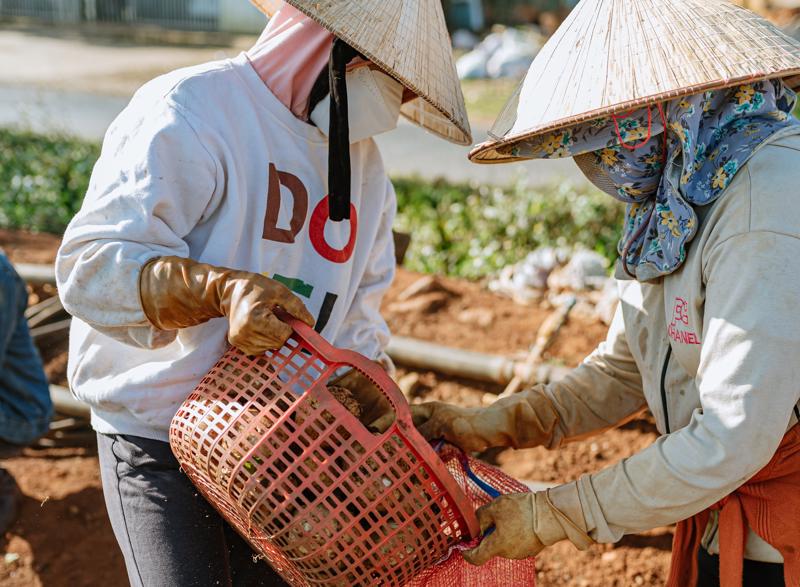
(29, 247)
(63, 537)
(469, 316)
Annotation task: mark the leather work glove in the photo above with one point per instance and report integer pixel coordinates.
(374, 404)
(524, 524)
(179, 293)
(523, 420)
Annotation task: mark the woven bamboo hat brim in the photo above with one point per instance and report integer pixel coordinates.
(409, 40)
(612, 56)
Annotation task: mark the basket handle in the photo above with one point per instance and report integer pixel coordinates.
(357, 361)
(403, 420)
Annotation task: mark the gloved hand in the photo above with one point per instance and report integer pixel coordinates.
(374, 404)
(179, 293)
(524, 524)
(523, 420)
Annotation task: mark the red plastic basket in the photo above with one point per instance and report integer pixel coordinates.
(481, 483)
(325, 501)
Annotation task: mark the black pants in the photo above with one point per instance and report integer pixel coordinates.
(756, 574)
(169, 535)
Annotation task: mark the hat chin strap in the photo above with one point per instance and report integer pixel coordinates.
(339, 132)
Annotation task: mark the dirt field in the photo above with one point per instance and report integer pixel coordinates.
(63, 537)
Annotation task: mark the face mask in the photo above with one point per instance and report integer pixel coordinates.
(629, 170)
(373, 104)
(588, 164)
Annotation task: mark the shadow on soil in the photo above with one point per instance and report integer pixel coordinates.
(660, 541)
(644, 424)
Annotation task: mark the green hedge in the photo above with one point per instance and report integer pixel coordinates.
(42, 179)
(472, 231)
(457, 229)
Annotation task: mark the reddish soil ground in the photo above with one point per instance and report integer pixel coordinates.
(29, 247)
(63, 538)
(509, 327)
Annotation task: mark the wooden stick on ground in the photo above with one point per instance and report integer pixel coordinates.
(544, 338)
(56, 328)
(45, 304)
(45, 313)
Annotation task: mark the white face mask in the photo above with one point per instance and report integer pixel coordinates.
(373, 104)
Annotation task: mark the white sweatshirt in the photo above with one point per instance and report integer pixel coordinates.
(206, 163)
(712, 350)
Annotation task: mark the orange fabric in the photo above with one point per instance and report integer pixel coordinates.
(769, 504)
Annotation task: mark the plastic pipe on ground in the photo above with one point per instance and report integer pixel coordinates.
(36, 274)
(65, 403)
(420, 354)
(57, 328)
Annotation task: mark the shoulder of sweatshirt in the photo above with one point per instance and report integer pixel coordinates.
(762, 198)
(187, 85)
(216, 97)
(774, 174)
(195, 89)
(166, 99)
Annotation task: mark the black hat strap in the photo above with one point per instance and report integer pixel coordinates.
(339, 132)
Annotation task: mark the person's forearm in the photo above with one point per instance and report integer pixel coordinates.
(602, 392)
(678, 476)
(98, 281)
(98, 284)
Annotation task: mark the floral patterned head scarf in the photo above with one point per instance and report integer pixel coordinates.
(709, 137)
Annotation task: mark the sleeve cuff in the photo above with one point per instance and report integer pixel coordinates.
(567, 499)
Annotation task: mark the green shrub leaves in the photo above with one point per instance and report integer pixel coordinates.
(457, 229)
(42, 179)
(472, 231)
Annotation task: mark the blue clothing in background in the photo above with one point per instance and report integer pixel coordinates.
(25, 407)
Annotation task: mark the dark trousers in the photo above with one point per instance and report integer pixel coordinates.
(756, 574)
(169, 535)
(25, 406)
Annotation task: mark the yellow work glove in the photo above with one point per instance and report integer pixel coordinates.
(179, 293)
(522, 525)
(523, 420)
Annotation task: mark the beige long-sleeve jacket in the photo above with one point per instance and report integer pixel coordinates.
(713, 350)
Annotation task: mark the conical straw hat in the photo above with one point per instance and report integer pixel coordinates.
(409, 40)
(611, 56)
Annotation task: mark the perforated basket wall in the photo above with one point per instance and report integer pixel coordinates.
(481, 483)
(324, 500)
